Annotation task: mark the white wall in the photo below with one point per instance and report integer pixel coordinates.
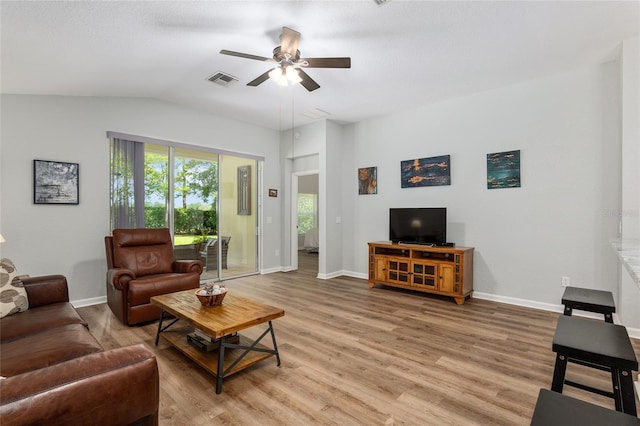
(630, 70)
(629, 292)
(567, 128)
(308, 184)
(68, 240)
(332, 202)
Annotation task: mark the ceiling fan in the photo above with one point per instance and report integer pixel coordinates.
(289, 64)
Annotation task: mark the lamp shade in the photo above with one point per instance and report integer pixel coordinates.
(2, 240)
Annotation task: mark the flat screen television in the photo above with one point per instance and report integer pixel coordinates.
(418, 225)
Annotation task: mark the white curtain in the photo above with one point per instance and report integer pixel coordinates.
(127, 184)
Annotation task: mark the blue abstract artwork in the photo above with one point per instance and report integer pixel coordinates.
(432, 171)
(503, 170)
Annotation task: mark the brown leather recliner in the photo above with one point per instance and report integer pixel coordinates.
(141, 264)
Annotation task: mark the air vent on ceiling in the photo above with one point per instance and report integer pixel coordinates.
(316, 113)
(222, 79)
(381, 2)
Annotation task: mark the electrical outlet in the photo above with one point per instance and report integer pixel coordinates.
(566, 281)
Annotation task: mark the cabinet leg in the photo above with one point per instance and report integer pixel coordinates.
(459, 300)
(371, 284)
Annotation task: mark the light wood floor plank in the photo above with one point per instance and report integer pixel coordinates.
(358, 356)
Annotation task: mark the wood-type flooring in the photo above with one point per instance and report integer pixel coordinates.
(358, 356)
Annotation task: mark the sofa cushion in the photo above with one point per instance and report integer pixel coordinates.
(37, 320)
(49, 347)
(13, 296)
(141, 289)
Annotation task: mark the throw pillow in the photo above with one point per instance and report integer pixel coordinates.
(13, 296)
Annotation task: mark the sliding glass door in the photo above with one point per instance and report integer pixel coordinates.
(207, 199)
(195, 196)
(238, 215)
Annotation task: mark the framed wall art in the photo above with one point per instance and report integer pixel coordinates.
(367, 180)
(55, 182)
(503, 170)
(432, 171)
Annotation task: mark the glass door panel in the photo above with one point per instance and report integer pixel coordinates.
(238, 216)
(156, 186)
(195, 196)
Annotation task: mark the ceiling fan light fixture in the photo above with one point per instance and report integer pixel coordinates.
(276, 75)
(288, 69)
(292, 75)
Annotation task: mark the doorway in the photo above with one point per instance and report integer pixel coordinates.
(305, 230)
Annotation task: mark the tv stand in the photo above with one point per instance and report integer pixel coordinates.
(447, 271)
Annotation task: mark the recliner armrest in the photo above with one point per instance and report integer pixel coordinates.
(120, 278)
(184, 266)
(46, 290)
(119, 386)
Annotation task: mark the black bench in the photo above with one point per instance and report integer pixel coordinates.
(599, 345)
(554, 409)
(586, 299)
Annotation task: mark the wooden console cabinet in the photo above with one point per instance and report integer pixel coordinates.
(447, 271)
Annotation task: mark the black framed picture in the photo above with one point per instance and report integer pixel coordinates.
(55, 182)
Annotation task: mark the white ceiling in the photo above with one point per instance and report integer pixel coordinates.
(404, 53)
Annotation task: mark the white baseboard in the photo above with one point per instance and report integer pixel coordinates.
(519, 302)
(359, 275)
(335, 274)
(89, 302)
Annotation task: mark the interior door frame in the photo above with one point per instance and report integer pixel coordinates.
(294, 214)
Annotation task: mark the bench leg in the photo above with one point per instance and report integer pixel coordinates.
(558, 373)
(617, 394)
(625, 383)
(568, 310)
(608, 318)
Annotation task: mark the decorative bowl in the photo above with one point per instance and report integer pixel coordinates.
(207, 299)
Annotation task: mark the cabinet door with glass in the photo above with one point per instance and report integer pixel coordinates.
(398, 270)
(424, 274)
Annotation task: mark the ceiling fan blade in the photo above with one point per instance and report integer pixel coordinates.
(259, 80)
(246, 55)
(289, 41)
(307, 81)
(327, 62)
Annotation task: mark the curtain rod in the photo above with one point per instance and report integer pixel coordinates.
(154, 141)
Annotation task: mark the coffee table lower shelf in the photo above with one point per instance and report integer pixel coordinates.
(209, 360)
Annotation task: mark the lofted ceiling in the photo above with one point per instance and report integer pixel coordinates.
(404, 53)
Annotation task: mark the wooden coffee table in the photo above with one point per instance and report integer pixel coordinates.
(235, 314)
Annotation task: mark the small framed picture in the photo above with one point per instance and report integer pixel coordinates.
(55, 182)
(273, 192)
(367, 180)
(503, 170)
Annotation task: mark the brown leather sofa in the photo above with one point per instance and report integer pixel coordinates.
(55, 372)
(141, 264)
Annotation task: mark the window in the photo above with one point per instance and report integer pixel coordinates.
(307, 212)
(142, 199)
